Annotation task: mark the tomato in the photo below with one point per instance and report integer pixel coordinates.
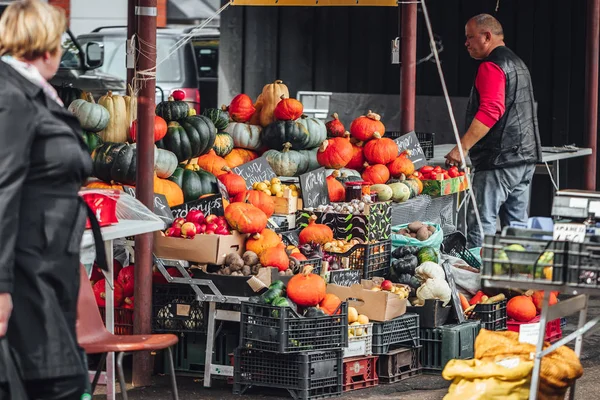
(426, 169)
(453, 172)
(446, 176)
(437, 169)
(461, 173)
(433, 175)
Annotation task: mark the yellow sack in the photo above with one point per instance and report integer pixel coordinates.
(488, 380)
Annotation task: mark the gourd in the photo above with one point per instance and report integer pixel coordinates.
(330, 304)
(92, 117)
(352, 315)
(68, 94)
(364, 127)
(238, 157)
(165, 163)
(521, 308)
(335, 128)
(275, 257)
(241, 108)
(380, 150)
(115, 162)
(317, 132)
(234, 183)
(287, 162)
(288, 109)
(194, 182)
(358, 158)
(335, 152)
(245, 218)
(306, 289)
(384, 192)
(315, 233)
(400, 192)
(311, 156)
(191, 137)
(538, 298)
(92, 140)
(337, 191)
(435, 289)
(270, 96)
(377, 173)
(170, 190)
(160, 129)
(430, 270)
(219, 117)
(278, 133)
(223, 144)
(245, 136)
(172, 110)
(259, 199)
(118, 126)
(103, 185)
(262, 241)
(211, 162)
(402, 165)
(131, 106)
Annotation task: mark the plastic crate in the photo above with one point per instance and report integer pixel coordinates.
(373, 258)
(398, 332)
(123, 320)
(553, 328)
(175, 309)
(431, 314)
(455, 244)
(282, 330)
(310, 375)
(362, 345)
(492, 316)
(360, 373)
(399, 364)
(446, 343)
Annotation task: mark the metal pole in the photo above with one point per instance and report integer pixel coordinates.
(131, 30)
(146, 31)
(408, 66)
(591, 91)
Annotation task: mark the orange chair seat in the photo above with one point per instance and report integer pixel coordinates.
(108, 343)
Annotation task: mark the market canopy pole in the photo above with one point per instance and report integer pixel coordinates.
(591, 91)
(408, 64)
(131, 30)
(146, 83)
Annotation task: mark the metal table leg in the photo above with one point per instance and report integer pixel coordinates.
(210, 343)
(110, 321)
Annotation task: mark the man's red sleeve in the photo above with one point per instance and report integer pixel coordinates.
(491, 84)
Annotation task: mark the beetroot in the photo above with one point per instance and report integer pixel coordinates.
(126, 279)
(100, 293)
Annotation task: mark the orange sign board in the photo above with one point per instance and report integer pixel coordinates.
(373, 3)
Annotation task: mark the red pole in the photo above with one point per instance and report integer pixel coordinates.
(408, 66)
(131, 30)
(591, 91)
(146, 31)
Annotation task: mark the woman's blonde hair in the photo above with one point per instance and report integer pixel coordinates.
(30, 28)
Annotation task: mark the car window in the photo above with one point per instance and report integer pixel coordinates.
(115, 52)
(207, 57)
(70, 57)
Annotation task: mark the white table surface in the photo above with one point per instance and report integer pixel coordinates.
(122, 229)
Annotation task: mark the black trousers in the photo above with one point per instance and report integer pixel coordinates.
(67, 388)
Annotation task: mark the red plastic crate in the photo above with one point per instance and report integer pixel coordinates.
(360, 373)
(553, 330)
(123, 320)
(104, 206)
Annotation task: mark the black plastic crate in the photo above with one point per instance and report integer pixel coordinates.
(399, 364)
(492, 316)
(282, 330)
(426, 140)
(305, 376)
(431, 314)
(398, 332)
(448, 342)
(372, 258)
(175, 309)
(455, 244)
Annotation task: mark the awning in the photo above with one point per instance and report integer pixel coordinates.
(379, 3)
(191, 9)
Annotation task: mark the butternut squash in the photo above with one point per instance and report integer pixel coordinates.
(270, 97)
(118, 126)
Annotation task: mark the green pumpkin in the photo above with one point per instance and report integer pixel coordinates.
(91, 140)
(68, 94)
(317, 132)
(92, 117)
(194, 183)
(172, 110)
(245, 136)
(115, 162)
(287, 162)
(278, 133)
(219, 117)
(311, 156)
(223, 144)
(189, 138)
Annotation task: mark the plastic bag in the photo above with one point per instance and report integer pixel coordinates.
(434, 240)
(467, 282)
(487, 380)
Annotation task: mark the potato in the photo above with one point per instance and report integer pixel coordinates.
(415, 226)
(431, 228)
(423, 233)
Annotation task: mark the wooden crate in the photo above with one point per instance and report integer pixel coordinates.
(287, 204)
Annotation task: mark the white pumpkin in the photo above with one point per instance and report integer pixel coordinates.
(245, 136)
(92, 117)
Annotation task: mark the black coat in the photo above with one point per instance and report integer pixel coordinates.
(43, 163)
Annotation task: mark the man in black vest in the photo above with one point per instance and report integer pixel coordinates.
(502, 138)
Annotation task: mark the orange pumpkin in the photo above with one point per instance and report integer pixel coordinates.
(160, 129)
(418, 182)
(258, 106)
(241, 108)
(275, 257)
(358, 158)
(306, 289)
(238, 156)
(234, 183)
(169, 189)
(298, 256)
(262, 241)
(245, 218)
(364, 127)
(257, 198)
(211, 162)
(337, 191)
(521, 308)
(335, 128)
(538, 298)
(330, 304)
(103, 185)
(288, 109)
(315, 233)
(380, 150)
(335, 153)
(401, 165)
(377, 173)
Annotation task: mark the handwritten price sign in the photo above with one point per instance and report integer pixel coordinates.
(569, 232)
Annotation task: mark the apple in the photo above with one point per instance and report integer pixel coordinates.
(178, 222)
(211, 219)
(212, 227)
(209, 232)
(178, 94)
(173, 231)
(195, 216)
(221, 230)
(202, 229)
(198, 226)
(221, 221)
(387, 285)
(188, 230)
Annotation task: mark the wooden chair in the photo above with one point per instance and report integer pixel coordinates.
(95, 339)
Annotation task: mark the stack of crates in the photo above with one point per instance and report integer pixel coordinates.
(279, 349)
(447, 342)
(359, 364)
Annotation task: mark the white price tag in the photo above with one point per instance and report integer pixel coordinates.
(529, 333)
(569, 232)
(356, 349)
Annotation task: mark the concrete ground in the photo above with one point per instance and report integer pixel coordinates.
(423, 387)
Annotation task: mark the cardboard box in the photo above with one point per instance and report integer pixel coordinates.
(287, 204)
(204, 249)
(438, 188)
(378, 306)
(374, 224)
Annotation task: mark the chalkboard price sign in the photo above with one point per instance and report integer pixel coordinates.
(455, 298)
(223, 190)
(411, 143)
(345, 277)
(161, 205)
(208, 205)
(255, 171)
(314, 188)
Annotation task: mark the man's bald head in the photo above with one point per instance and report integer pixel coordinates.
(488, 23)
(484, 33)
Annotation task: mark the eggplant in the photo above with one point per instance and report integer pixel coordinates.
(403, 251)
